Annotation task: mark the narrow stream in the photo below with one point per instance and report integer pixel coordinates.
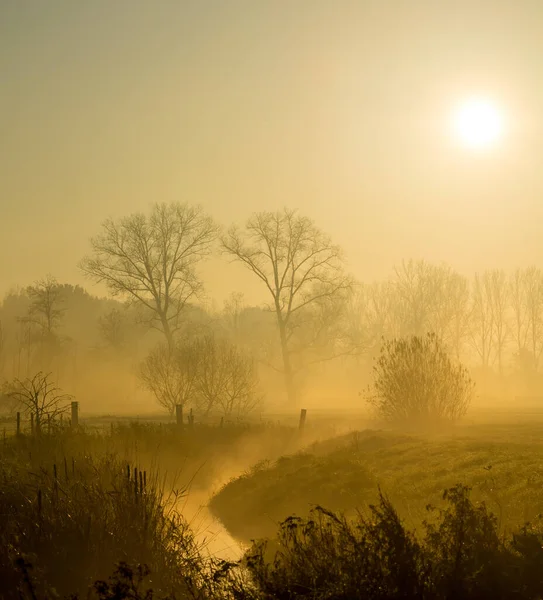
(210, 534)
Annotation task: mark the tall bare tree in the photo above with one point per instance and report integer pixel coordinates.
(112, 326)
(299, 267)
(234, 307)
(377, 308)
(416, 295)
(489, 317)
(498, 295)
(431, 298)
(481, 320)
(526, 291)
(151, 260)
(46, 308)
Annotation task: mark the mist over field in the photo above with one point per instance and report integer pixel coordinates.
(271, 300)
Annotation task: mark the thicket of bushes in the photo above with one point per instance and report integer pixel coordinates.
(460, 554)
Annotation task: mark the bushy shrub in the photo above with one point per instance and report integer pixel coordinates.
(414, 379)
(460, 556)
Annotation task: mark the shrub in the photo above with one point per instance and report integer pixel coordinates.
(414, 379)
(376, 558)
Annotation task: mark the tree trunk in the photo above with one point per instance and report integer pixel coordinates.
(287, 366)
(167, 331)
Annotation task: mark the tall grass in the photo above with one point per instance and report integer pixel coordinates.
(75, 520)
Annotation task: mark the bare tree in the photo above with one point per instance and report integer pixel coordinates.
(415, 290)
(171, 374)
(241, 393)
(227, 378)
(377, 310)
(234, 307)
(325, 332)
(489, 330)
(456, 305)
(481, 321)
(151, 260)
(112, 327)
(39, 396)
(46, 306)
(298, 265)
(498, 296)
(431, 298)
(526, 292)
(207, 373)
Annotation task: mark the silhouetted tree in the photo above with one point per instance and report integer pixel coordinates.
(489, 317)
(227, 378)
(234, 306)
(376, 307)
(526, 293)
(112, 328)
(481, 320)
(431, 298)
(171, 373)
(39, 333)
(496, 282)
(208, 373)
(46, 306)
(151, 260)
(39, 396)
(299, 266)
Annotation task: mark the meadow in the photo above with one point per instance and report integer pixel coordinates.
(502, 463)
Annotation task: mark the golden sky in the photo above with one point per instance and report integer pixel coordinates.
(339, 108)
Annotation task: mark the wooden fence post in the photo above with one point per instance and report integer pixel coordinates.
(191, 419)
(303, 414)
(18, 423)
(179, 416)
(75, 414)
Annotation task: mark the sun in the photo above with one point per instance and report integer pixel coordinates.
(478, 123)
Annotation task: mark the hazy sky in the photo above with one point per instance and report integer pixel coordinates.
(338, 108)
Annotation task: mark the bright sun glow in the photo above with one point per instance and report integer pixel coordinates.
(478, 123)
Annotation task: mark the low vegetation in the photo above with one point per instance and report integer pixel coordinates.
(81, 520)
(460, 554)
(503, 465)
(67, 525)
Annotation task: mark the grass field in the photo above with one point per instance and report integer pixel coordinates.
(503, 463)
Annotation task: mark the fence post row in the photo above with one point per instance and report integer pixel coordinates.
(35, 422)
